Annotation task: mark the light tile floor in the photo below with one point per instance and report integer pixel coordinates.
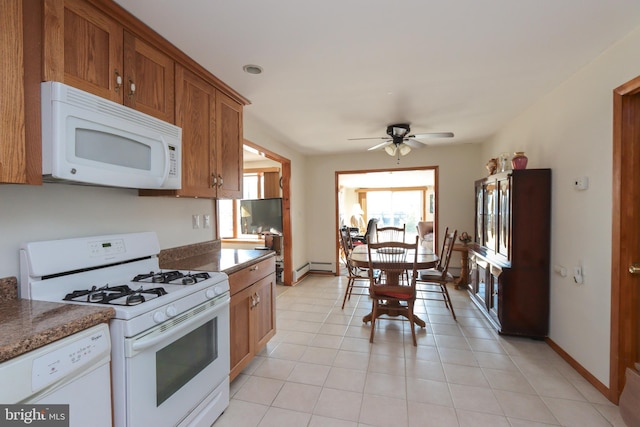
(321, 371)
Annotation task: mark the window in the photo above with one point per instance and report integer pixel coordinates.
(397, 207)
(253, 187)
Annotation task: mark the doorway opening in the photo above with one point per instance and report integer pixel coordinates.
(265, 182)
(395, 197)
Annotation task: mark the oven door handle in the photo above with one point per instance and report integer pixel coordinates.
(180, 324)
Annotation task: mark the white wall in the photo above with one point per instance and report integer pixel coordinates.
(54, 211)
(458, 168)
(570, 131)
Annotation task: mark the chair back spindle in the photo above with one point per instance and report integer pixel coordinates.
(390, 234)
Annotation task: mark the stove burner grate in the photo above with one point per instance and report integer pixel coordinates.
(111, 294)
(174, 276)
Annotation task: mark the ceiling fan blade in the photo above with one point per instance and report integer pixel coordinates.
(413, 143)
(432, 135)
(375, 137)
(382, 144)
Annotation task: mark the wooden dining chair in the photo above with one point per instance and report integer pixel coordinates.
(435, 280)
(390, 234)
(394, 292)
(357, 278)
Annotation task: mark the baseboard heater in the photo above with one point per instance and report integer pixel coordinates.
(298, 273)
(322, 266)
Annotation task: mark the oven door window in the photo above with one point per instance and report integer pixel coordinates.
(183, 359)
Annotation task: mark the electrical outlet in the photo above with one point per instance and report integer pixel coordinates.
(195, 221)
(581, 183)
(578, 274)
(206, 221)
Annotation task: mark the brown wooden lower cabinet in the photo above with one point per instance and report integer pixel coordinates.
(252, 312)
(515, 300)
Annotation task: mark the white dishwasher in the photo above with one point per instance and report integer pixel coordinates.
(72, 371)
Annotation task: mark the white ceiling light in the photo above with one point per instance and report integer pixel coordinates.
(404, 149)
(252, 69)
(391, 149)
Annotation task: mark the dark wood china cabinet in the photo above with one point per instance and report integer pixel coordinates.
(509, 257)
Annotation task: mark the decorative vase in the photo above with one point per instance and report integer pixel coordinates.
(492, 164)
(519, 160)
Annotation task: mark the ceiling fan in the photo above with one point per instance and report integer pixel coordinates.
(400, 141)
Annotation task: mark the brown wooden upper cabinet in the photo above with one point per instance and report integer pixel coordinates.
(87, 49)
(196, 101)
(98, 47)
(14, 156)
(229, 158)
(211, 125)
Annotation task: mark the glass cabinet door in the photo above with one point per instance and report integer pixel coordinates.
(490, 223)
(479, 237)
(481, 281)
(504, 220)
(493, 293)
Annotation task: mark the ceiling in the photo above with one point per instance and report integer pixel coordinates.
(335, 70)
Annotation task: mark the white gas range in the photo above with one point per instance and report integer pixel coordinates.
(170, 333)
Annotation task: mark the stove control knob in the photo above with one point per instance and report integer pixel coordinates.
(171, 311)
(158, 317)
(210, 293)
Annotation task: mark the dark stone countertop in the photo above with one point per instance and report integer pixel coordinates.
(8, 289)
(210, 257)
(26, 325)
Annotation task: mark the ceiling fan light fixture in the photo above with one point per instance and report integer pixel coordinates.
(391, 149)
(398, 131)
(404, 149)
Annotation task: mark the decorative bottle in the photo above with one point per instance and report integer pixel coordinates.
(519, 160)
(504, 163)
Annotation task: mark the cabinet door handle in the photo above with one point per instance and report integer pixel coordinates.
(118, 80)
(254, 268)
(253, 302)
(220, 181)
(257, 299)
(634, 268)
(132, 89)
(214, 180)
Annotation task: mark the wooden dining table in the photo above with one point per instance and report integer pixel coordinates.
(359, 257)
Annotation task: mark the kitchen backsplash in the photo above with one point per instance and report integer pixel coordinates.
(8, 288)
(51, 211)
(169, 256)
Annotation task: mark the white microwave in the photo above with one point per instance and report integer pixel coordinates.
(91, 140)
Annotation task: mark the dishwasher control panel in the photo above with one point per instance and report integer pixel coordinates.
(69, 358)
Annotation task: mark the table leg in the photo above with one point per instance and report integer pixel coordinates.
(462, 281)
(391, 309)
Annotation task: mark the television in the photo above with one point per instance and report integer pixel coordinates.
(258, 216)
